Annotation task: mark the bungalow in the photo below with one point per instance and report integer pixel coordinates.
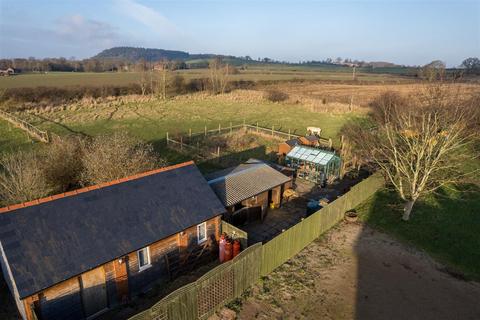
(74, 255)
(248, 190)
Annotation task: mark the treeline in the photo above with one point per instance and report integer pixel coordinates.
(86, 65)
(17, 99)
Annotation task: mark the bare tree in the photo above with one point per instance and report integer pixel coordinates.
(163, 78)
(418, 142)
(21, 178)
(111, 157)
(219, 75)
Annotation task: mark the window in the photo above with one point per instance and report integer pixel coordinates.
(202, 232)
(143, 258)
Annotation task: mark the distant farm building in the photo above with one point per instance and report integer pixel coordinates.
(7, 72)
(74, 255)
(314, 164)
(248, 190)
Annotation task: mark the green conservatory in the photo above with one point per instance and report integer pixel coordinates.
(314, 164)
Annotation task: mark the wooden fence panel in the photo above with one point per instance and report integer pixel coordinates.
(235, 233)
(247, 268)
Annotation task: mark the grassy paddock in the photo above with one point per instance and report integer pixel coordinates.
(151, 120)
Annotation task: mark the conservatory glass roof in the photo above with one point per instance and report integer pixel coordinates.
(313, 155)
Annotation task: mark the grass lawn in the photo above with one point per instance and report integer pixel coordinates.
(446, 225)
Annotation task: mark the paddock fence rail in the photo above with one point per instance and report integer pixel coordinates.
(30, 129)
(200, 299)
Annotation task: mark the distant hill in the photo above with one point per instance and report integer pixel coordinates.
(149, 54)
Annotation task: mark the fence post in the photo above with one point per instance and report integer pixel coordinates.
(219, 128)
(167, 138)
(190, 133)
(273, 127)
(205, 131)
(257, 126)
(230, 127)
(289, 134)
(330, 143)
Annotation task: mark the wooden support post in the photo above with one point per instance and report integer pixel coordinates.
(330, 143)
(289, 134)
(273, 128)
(231, 127)
(219, 128)
(167, 137)
(190, 133)
(257, 126)
(205, 131)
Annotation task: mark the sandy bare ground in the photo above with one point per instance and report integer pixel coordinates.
(355, 272)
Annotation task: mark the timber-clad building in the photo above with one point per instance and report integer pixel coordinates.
(75, 255)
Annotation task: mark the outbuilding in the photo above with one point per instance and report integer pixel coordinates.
(310, 140)
(285, 147)
(75, 255)
(248, 190)
(314, 164)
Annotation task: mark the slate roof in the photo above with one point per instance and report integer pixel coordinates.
(292, 142)
(311, 138)
(54, 240)
(249, 179)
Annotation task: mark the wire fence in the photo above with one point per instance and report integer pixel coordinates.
(190, 141)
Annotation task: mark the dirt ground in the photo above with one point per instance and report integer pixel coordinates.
(355, 272)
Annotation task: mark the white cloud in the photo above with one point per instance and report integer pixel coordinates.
(149, 17)
(89, 32)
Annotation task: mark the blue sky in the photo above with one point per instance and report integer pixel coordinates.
(405, 32)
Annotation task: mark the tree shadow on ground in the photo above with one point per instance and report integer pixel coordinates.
(405, 283)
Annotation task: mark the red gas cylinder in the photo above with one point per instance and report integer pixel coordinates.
(221, 248)
(228, 250)
(236, 247)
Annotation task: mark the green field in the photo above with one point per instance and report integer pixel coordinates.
(151, 120)
(254, 73)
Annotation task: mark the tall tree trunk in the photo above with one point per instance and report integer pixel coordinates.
(407, 209)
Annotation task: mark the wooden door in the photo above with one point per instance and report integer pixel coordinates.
(94, 292)
(121, 279)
